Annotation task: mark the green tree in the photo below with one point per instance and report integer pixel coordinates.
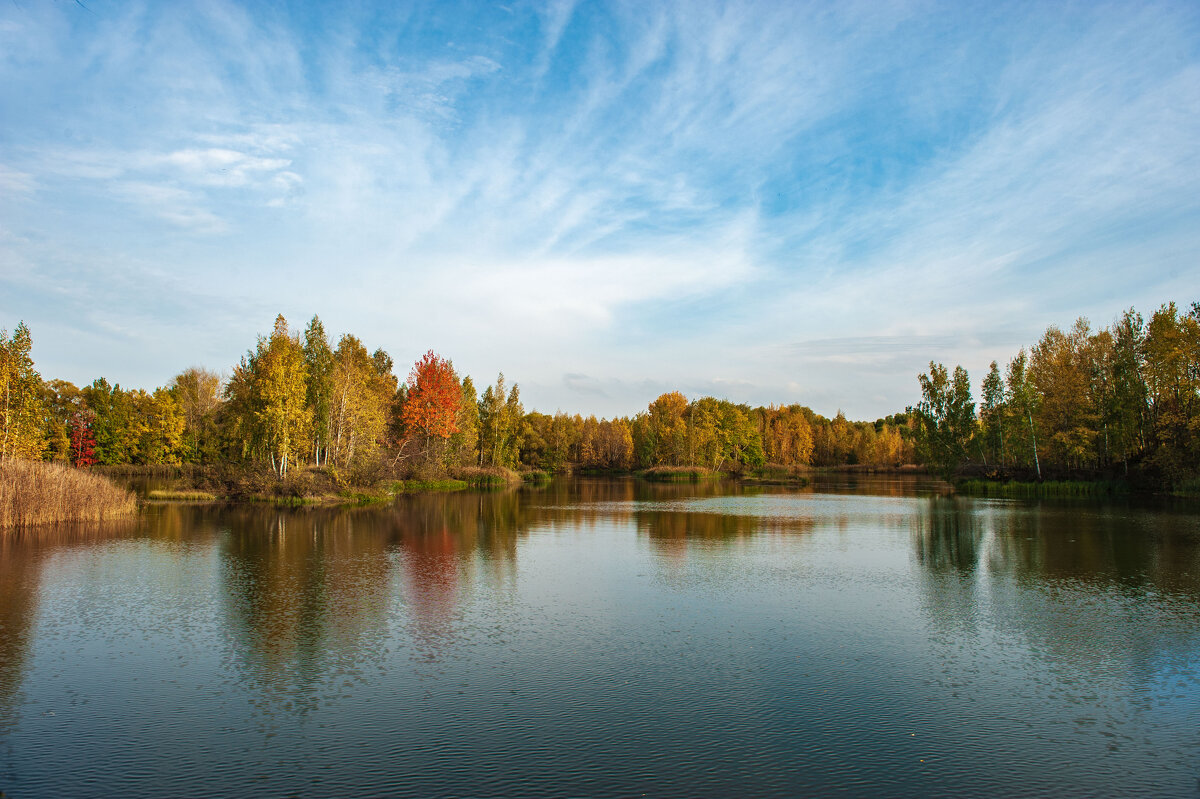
(64, 404)
(1024, 401)
(991, 413)
(946, 418)
(318, 387)
(500, 416)
(1130, 397)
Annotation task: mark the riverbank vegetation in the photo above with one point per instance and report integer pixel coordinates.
(1119, 403)
(300, 418)
(33, 493)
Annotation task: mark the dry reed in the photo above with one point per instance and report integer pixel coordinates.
(33, 493)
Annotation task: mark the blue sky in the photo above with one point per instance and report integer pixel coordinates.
(770, 202)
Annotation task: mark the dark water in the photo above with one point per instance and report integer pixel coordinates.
(609, 638)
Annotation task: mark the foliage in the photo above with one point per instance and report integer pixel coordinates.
(198, 392)
(361, 396)
(1125, 398)
(500, 425)
(431, 409)
(1093, 401)
(318, 387)
(267, 400)
(946, 418)
(21, 403)
(83, 441)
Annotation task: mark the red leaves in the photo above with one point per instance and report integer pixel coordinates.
(434, 395)
(83, 442)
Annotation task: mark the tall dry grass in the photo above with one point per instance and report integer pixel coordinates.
(33, 493)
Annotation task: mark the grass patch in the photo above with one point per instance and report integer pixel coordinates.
(168, 495)
(1049, 489)
(536, 476)
(364, 498)
(33, 493)
(416, 486)
(488, 477)
(680, 474)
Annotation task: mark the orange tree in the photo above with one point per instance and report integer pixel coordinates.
(434, 395)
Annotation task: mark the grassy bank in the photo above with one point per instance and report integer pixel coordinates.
(417, 486)
(679, 474)
(1049, 489)
(34, 493)
(168, 495)
(488, 476)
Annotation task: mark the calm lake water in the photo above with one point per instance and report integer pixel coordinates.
(610, 638)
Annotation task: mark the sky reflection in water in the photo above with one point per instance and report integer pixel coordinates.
(609, 637)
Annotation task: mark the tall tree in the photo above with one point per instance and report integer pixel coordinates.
(280, 411)
(947, 417)
(500, 415)
(991, 413)
(464, 442)
(1172, 370)
(1129, 387)
(22, 413)
(432, 406)
(1024, 401)
(1067, 415)
(361, 396)
(83, 441)
(198, 392)
(318, 387)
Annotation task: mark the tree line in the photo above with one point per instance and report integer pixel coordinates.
(296, 400)
(1123, 400)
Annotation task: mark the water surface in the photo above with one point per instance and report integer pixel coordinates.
(609, 637)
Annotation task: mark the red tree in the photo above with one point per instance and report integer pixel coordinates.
(83, 441)
(434, 396)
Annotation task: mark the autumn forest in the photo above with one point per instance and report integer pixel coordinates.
(1120, 401)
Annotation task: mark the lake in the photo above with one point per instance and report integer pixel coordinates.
(602, 637)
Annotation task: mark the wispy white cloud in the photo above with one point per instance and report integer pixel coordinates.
(642, 194)
(15, 182)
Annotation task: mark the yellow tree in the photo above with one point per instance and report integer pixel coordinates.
(1172, 373)
(281, 413)
(22, 414)
(668, 429)
(787, 436)
(1058, 369)
(358, 412)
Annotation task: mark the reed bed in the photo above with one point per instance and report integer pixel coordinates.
(34, 493)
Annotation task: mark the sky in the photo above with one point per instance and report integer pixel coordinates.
(772, 203)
